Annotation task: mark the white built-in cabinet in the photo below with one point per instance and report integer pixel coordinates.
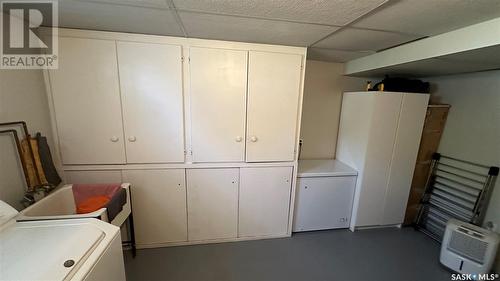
(218, 104)
(118, 102)
(212, 199)
(126, 99)
(158, 205)
(152, 101)
(379, 136)
(86, 99)
(225, 100)
(205, 131)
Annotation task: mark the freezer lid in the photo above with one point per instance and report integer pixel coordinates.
(34, 251)
(324, 168)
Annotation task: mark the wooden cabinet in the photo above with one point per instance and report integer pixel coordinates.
(152, 100)
(158, 205)
(435, 121)
(218, 102)
(274, 82)
(86, 99)
(212, 200)
(264, 201)
(384, 157)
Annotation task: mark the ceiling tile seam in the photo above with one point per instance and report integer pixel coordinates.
(381, 6)
(345, 50)
(178, 19)
(404, 43)
(387, 31)
(292, 21)
(255, 17)
(109, 3)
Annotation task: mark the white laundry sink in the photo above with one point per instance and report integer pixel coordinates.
(59, 250)
(60, 204)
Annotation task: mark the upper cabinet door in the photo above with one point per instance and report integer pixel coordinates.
(151, 89)
(218, 95)
(86, 99)
(274, 82)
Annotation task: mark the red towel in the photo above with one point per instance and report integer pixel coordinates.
(92, 197)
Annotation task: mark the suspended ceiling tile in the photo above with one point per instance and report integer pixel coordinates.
(332, 12)
(363, 40)
(119, 18)
(232, 28)
(430, 17)
(334, 55)
(158, 4)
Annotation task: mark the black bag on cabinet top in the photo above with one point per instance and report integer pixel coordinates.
(398, 84)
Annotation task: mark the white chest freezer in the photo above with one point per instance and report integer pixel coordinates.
(325, 191)
(74, 249)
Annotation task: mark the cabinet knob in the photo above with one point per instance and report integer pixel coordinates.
(253, 138)
(114, 139)
(131, 139)
(238, 139)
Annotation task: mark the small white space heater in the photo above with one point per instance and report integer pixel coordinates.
(467, 248)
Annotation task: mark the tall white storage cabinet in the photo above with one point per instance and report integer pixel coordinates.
(379, 136)
(205, 131)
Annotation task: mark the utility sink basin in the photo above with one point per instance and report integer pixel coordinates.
(60, 204)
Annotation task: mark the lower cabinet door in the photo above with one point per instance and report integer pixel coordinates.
(212, 198)
(264, 203)
(158, 205)
(323, 203)
(91, 177)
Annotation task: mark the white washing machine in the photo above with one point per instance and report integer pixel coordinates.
(74, 249)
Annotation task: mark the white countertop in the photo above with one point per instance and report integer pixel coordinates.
(324, 168)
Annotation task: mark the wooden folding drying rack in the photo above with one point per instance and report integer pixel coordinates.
(457, 189)
(15, 135)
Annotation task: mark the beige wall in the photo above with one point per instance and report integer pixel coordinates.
(22, 97)
(472, 130)
(323, 88)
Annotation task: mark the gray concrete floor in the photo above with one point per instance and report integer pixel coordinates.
(377, 254)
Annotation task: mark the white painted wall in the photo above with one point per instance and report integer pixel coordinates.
(323, 88)
(472, 130)
(22, 97)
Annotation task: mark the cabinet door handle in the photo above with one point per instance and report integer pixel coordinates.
(253, 139)
(114, 139)
(131, 139)
(238, 139)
